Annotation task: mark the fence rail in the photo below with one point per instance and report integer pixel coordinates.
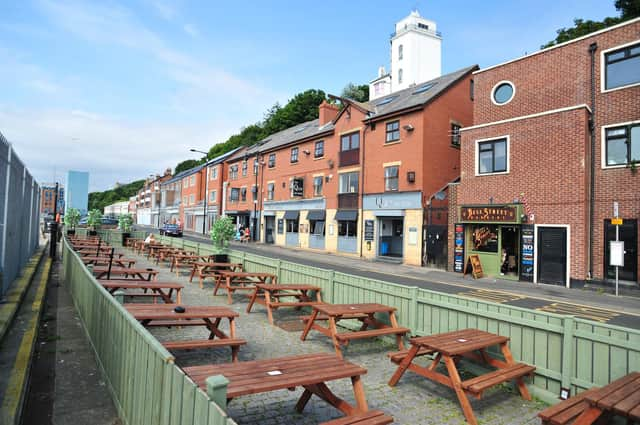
(568, 352)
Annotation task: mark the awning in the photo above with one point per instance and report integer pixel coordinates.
(346, 215)
(317, 215)
(291, 215)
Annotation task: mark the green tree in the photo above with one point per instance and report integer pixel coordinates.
(222, 232)
(99, 200)
(359, 93)
(187, 164)
(629, 9)
(303, 107)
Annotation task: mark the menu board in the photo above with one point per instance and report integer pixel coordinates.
(458, 248)
(475, 265)
(527, 232)
(280, 226)
(368, 230)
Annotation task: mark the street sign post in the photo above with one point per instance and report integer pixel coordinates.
(616, 248)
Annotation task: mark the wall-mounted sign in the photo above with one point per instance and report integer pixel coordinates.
(458, 248)
(280, 226)
(489, 214)
(413, 235)
(368, 230)
(527, 233)
(297, 187)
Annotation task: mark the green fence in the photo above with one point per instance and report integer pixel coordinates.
(568, 352)
(146, 386)
(110, 236)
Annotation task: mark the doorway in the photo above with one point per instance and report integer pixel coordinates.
(391, 237)
(628, 233)
(269, 229)
(552, 255)
(510, 243)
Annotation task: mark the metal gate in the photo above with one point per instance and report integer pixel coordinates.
(435, 246)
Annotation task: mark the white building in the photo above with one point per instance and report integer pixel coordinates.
(416, 56)
(116, 209)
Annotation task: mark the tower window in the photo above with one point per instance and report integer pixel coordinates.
(400, 76)
(400, 52)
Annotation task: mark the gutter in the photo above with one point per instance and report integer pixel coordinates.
(592, 127)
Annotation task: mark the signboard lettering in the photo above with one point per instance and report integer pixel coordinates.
(489, 214)
(526, 252)
(297, 187)
(368, 230)
(458, 250)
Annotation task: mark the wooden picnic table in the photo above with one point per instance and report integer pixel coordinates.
(101, 272)
(165, 253)
(269, 295)
(163, 290)
(468, 343)
(365, 313)
(179, 260)
(621, 398)
(206, 316)
(310, 371)
(102, 254)
(104, 260)
(94, 250)
(206, 269)
(241, 281)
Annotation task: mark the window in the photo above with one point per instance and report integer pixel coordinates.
(393, 131)
(472, 89)
(271, 187)
(192, 199)
(214, 173)
(185, 200)
(502, 93)
(234, 194)
(379, 88)
(292, 226)
(348, 183)
(350, 141)
(400, 76)
(484, 237)
(423, 26)
(317, 185)
(423, 88)
(233, 172)
(492, 156)
(243, 194)
(623, 144)
(255, 167)
(391, 178)
(294, 154)
(318, 152)
(622, 67)
(400, 52)
(455, 134)
(386, 100)
(185, 183)
(317, 227)
(348, 228)
(193, 180)
(272, 160)
(213, 197)
(244, 168)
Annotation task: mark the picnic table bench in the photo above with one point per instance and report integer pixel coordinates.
(101, 272)
(182, 260)
(104, 260)
(209, 317)
(468, 343)
(163, 290)
(241, 281)
(310, 371)
(205, 269)
(372, 417)
(270, 296)
(364, 313)
(165, 254)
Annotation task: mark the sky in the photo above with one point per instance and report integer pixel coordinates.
(123, 89)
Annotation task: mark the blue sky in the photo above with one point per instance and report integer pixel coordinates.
(123, 89)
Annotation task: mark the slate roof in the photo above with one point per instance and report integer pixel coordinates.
(302, 131)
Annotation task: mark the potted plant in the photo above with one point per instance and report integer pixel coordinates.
(125, 223)
(222, 232)
(71, 220)
(94, 220)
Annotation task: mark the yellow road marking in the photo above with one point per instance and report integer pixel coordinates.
(592, 313)
(13, 393)
(493, 296)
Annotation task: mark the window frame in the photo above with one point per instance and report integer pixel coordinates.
(604, 148)
(400, 52)
(271, 190)
(245, 167)
(496, 86)
(394, 131)
(319, 143)
(391, 178)
(192, 199)
(233, 172)
(400, 72)
(272, 160)
(455, 134)
(192, 180)
(294, 155)
(213, 196)
(243, 194)
(214, 173)
(236, 198)
(603, 65)
(350, 173)
(478, 142)
(316, 192)
(350, 137)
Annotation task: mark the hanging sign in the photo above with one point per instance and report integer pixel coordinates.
(297, 187)
(494, 214)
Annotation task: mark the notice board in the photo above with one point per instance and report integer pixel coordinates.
(368, 230)
(280, 226)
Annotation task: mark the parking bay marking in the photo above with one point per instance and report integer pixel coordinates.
(591, 313)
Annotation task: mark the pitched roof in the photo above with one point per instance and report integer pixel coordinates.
(302, 131)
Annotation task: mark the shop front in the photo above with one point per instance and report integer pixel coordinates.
(498, 236)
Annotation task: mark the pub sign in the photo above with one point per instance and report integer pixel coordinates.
(489, 214)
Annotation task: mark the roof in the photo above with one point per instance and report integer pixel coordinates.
(220, 158)
(182, 174)
(303, 131)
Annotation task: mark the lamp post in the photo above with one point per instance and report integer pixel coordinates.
(206, 191)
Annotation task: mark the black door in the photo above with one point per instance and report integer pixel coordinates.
(435, 246)
(552, 255)
(628, 233)
(269, 229)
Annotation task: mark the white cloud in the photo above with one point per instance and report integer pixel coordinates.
(191, 30)
(44, 86)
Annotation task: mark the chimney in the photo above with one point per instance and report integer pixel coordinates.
(327, 112)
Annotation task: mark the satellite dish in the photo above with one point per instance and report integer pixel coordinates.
(440, 196)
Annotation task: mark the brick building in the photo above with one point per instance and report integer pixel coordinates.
(552, 147)
(48, 196)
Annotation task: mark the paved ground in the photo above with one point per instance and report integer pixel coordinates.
(589, 304)
(414, 401)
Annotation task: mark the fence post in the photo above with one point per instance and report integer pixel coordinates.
(217, 390)
(413, 310)
(244, 260)
(567, 351)
(278, 270)
(119, 296)
(332, 277)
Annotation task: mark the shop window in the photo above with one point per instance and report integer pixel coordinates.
(622, 67)
(348, 228)
(317, 227)
(317, 186)
(393, 131)
(623, 145)
(292, 226)
(484, 238)
(492, 156)
(391, 178)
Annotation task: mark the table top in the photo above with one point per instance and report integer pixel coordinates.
(459, 342)
(246, 274)
(212, 264)
(260, 376)
(102, 258)
(143, 284)
(123, 270)
(186, 256)
(287, 286)
(166, 312)
(346, 309)
(621, 396)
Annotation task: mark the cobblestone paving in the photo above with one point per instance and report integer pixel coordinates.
(415, 400)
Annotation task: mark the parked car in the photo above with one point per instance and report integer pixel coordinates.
(171, 230)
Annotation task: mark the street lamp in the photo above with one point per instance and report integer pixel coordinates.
(206, 191)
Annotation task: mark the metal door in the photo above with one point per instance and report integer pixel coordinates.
(628, 233)
(435, 246)
(269, 229)
(552, 255)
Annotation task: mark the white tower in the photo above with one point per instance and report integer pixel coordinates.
(416, 56)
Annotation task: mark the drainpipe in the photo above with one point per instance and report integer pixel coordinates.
(224, 199)
(592, 129)
(362, 189)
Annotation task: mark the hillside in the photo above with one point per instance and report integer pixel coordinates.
(99, 200)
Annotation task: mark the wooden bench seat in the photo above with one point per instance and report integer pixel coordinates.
(172, 323)
(325, 317)
(347, 336)
(294, 304)
(203, 343)
(372, 417)
(480, 383)
(566, 411)
(398, 356)
(153, 295)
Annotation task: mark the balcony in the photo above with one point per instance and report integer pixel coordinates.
(348, 201)
(350, 157)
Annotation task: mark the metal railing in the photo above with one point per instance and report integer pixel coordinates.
(415, 27)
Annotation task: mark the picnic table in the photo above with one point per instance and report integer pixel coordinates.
(621, 397)
(241, 281)
(310, 371)
(269, 295)
(179, 260)
(101, 272)
(103, 254)
(468, 343)
(209, 317)
(165, 253)
(206, 269)
(365, 313)
(163, 290)
(104, 260)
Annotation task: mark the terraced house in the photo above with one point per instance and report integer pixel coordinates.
(549, 166)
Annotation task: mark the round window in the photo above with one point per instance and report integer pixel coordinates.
(503, 93)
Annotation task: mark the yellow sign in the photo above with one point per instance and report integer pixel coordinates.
(616, 221)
